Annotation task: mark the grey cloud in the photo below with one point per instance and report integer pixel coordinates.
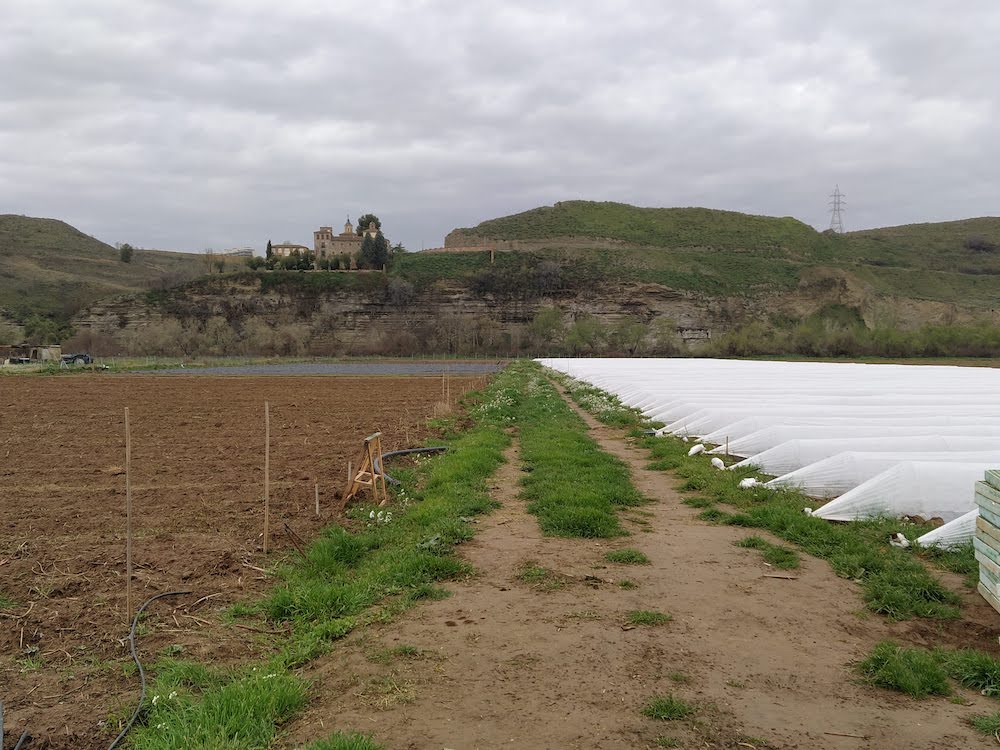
(215, 123)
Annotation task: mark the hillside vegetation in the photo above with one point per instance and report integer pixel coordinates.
(727, 253)
(51, 270)
(661, 227)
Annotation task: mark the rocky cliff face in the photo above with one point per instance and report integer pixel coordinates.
(386, 316)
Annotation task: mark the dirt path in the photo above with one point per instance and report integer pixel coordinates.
(504, 663)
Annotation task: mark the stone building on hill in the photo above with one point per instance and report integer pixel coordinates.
(326, 244)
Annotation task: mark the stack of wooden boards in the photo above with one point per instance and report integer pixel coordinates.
(987, 540)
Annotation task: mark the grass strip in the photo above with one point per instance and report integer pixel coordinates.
(571, 485)
(396, 559)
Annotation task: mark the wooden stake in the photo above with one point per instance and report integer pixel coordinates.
(727, 446)
(317, 498)
(267, 473)
(128, 520)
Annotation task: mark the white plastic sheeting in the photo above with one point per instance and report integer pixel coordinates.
(794, 454)
(851, 419)
(837, 474)
(931, 489)
(768, 437)
(952, 534)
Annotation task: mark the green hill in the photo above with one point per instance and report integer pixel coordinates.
(50, 269)
(725, 253)
(660, 227)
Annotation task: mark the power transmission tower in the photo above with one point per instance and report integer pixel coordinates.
(837, 206)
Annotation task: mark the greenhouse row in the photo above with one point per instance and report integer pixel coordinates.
(862, 439)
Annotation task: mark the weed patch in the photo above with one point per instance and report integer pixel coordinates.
(667, 708)
(909, 670)
(648, 617)
(627, 557)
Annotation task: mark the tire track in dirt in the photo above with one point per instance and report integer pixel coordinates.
(504, 664)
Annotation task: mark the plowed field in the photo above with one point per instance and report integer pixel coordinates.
(197, 478)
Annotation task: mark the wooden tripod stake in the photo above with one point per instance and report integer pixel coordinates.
(369, 473)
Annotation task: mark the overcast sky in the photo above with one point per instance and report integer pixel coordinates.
(187, 124)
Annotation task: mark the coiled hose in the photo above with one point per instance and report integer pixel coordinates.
(404, 452)
(142, 672)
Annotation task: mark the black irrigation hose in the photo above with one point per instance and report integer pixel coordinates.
(24, 738)
(404, 452)
(142, 672)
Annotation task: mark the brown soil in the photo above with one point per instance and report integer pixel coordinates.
(766, 661)
(197, 478)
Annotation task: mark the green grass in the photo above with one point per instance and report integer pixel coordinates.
(339, 741)
(6, 602)
(921, 672)
(972, 669)
(909, 670)
(648, 617)
(667, 708)
(668, 742)
(242, 713)
(627, 557)
(775, 554)
(571, 485)
(987, 724)
(627, 584)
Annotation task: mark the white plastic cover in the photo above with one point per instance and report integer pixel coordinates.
(761, 440)
(794, 454)
(928, 489)
(837, 474)
(952, 534)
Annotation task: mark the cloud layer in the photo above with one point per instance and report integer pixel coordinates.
(188, 124)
